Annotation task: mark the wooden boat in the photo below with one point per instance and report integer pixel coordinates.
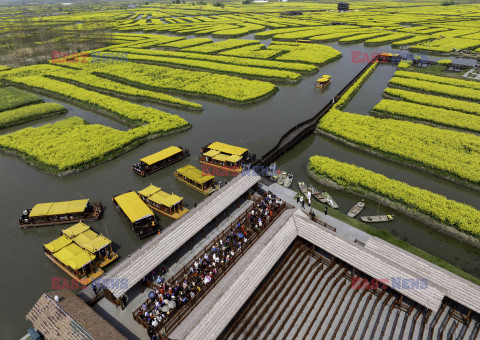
(330, 200)
(378, 218)
(303, 188)
(55, 213)
(272, 171)
(318, 196)
(288, 181)
(97, 244)
(225, 159)
(169, 205)
(282, 177)
(323, 82)
(196, 179)
(160, 160)
(356, 209)
(141, 218)
(80, 252)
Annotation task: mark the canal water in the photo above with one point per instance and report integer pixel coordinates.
(28, 273)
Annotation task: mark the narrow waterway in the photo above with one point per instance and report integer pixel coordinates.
(257, 127)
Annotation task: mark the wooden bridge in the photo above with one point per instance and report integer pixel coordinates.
(297, 133)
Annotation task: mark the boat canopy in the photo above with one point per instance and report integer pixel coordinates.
(91, 241)
(133, 206)
(161, 155)
(59, 208)
(324, 78)
(58, 244)
(74, 256)
(158, 196)
(226, 148)
(189, 171)
(211, 153)
(227, 158)
(76, 229)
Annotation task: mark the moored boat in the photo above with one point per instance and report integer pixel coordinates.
(282, 177)
(288, 181)
(160, 160)
(303, 188)
(196, 179)
(356, 209)
(225, 159)
(272, 171)
(54, 213)
(330, 200)
(80, 252)
(141, 218)
(318, 196)
(324, 81)
(167, 204)
(377, 218)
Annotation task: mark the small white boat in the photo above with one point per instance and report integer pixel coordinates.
(282, 177)
(303, 188)
(330, 200)
(288, 181)
(356, 209)
(378, 218)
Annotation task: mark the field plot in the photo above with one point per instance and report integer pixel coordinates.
(450, 102)
(447, 153)
(13, 98)
(28, 113)
(193, 83)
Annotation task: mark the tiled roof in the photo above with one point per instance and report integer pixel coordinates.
(69, 319)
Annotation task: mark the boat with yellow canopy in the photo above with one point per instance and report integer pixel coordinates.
(141, 218)
(160, 160)
(324, 81)
(229, 158)
(196, 179)
(54, 213)
(80, 252)
(167, 204)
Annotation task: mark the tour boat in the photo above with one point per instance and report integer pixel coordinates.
(318, 196)
(356, 209)
(324, 81)
(167, 204)
(81, 253)
(54, 213)
(378, 218)
(225, 159)
(196, 179)
(141, 218)
(160, 160)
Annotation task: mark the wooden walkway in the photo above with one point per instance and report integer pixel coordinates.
(305, 128)
(149, 256)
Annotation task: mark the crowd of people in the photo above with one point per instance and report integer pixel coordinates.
(169, 296)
